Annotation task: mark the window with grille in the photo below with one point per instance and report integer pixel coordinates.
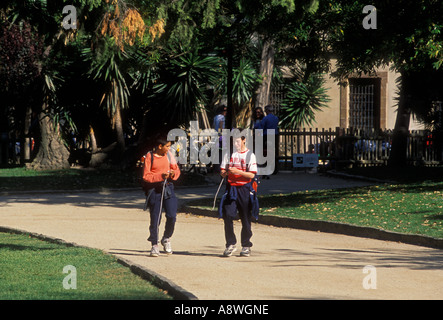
(364, 103)
(276, 96)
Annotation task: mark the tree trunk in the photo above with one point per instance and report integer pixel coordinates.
(26, 142)
(115, 150)
(52, 154)
(229, 84)
(93, 140)
(99, 157)
(401, 129)
(119, 130)
(266, 70)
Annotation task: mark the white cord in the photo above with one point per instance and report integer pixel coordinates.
(161, 205)
(215, 198)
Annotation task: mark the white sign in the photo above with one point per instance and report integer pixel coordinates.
(305, 160)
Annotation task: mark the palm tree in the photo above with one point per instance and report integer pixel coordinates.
(179, 90)
(244, 81)
(305, 95)
(107, 66)
(111, 58)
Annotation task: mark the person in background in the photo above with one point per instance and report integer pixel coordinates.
(257, 116)
(219, 125)
(220, 118)
(270, 121)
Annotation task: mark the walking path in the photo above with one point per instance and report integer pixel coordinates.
(285, 263)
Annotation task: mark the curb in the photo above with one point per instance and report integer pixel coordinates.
(334, 227)
(177, 292)
(159, 281)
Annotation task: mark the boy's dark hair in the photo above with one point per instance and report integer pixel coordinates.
(161, 141)
(243, 137)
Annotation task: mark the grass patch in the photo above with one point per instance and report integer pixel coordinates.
(415, 208)
(409, 174)
(21, 179)
(33, 269)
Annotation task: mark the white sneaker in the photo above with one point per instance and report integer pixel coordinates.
(245, 252)
(166, 243)
(229, 250)
(154, 251)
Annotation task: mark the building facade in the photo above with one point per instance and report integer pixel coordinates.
(363, 102)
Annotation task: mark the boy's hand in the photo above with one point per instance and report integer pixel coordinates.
(223, 173)
(172, 174)
(234, 171)
(165, 175)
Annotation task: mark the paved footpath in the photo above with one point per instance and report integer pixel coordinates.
(285, 263)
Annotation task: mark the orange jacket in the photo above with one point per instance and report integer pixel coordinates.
(160, 165)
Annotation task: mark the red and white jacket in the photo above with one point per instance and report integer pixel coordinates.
(238, 160)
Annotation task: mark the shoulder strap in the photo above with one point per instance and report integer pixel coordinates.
(169, 157)
(152, 158)
(248, 159)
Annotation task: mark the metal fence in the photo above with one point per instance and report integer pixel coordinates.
(334, 147)
(355, 147)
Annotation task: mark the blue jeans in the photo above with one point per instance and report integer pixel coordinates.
(170, 207)
(242, 205)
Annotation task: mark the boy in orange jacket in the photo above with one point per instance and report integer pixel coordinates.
(159, 171)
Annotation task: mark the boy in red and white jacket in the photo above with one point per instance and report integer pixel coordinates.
(240, 171)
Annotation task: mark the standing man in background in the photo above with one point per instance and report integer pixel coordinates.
(270, 121)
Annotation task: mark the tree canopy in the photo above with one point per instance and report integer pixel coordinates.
(130, 68)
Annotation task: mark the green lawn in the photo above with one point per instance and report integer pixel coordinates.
(415, 208)
(33, 269)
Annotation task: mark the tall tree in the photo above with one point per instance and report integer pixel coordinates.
(117, 22)
(21, 51)
(266, 22)
(121, 28)
(52, 153)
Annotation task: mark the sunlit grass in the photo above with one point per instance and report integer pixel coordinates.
(33, 269)
(415, 208)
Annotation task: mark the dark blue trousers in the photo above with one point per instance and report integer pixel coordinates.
(242, 205)
(169, 206)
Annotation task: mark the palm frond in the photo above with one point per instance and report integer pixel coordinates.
(305, 97)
